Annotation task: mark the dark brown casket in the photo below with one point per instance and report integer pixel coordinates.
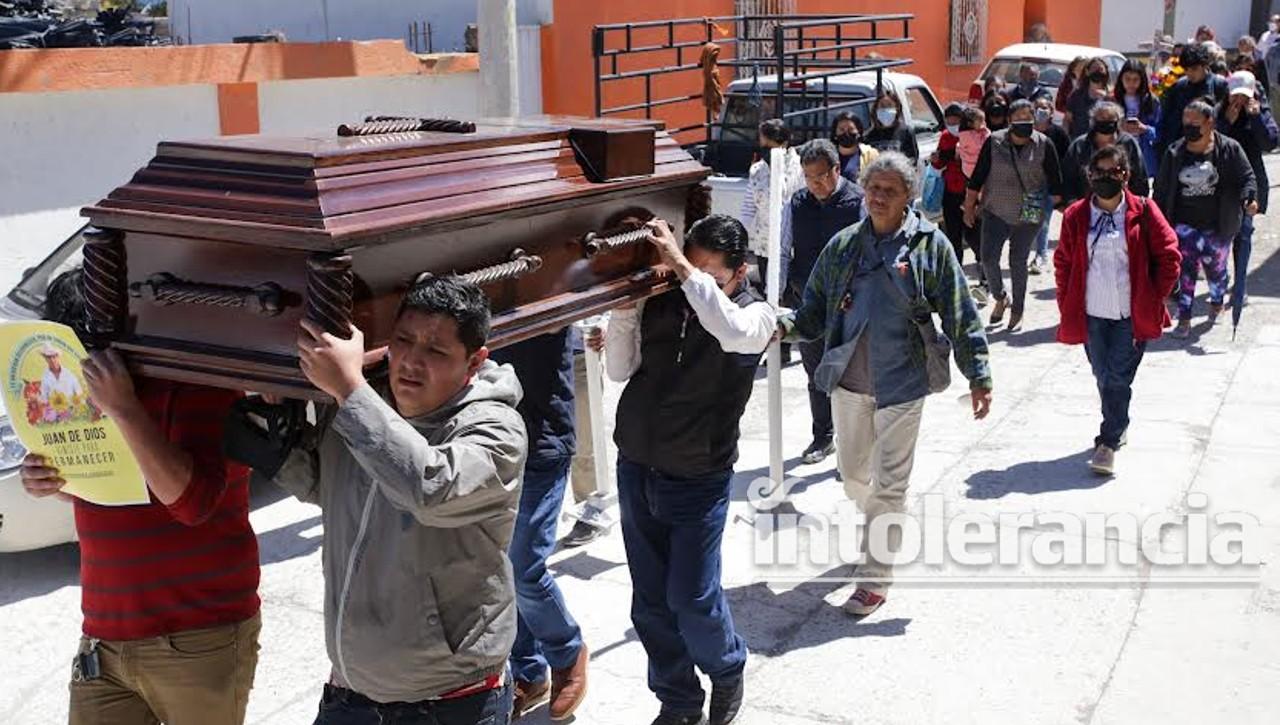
(201, 267)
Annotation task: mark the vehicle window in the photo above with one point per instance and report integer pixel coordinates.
(1115, 64)
(31, 290)
(1007, 69)
(926, 117)
(742, 115)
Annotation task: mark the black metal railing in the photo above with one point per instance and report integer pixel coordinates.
(802, 53)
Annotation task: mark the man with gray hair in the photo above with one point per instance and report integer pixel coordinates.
(1104, 130)
(874, 289)
(828, 203)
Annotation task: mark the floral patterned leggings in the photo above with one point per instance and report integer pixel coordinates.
(1202, 249)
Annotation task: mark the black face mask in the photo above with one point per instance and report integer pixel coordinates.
(1021, 129)
(1098, 78)
(848, 140)
(1106, 187)
(1192, 133)
(1106, 128)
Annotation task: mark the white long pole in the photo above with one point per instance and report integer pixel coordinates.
(773, 291)
(595, 402)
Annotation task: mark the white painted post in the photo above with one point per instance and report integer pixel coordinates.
(595, 402)
(499, 51)
(596, 509)
(773, 291)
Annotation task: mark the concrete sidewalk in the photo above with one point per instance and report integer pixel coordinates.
(1013, 648)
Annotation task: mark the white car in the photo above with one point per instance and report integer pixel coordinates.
(748, 102)
(26, 522)
(1053, 59)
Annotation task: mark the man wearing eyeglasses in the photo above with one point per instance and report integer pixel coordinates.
(1116, 262)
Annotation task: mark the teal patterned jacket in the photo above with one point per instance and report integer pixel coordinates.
(922, 258)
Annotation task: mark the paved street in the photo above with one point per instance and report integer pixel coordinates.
(1024, 644)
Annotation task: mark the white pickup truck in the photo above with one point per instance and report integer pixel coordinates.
(732, 145)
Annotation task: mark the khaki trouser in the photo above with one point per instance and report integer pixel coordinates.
(875, 450)
(188, 678)
(582, 473)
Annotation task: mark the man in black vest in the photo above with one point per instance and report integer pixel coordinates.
(689, 359)
(828, 204)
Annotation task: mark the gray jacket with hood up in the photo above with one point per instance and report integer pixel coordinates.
(417, 513)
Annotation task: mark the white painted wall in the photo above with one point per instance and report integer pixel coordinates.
(1228, 18)
(65, 150)
(218, 21)
(1126, 23)
(322, 104)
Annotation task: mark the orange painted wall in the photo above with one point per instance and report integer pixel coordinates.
(567, 72)
(76, 69)
(1069, 22)
(932, 32)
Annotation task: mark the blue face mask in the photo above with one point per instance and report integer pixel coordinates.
(886, 116)
(953, 129)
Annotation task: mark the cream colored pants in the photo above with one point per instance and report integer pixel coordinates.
(875, 450)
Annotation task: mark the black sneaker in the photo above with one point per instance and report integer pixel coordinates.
(671, 718)
(817, 452)
(726, 701)
(582, 534)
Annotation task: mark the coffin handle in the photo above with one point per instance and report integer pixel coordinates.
(520, 264)
(594, 244)
(165, 289)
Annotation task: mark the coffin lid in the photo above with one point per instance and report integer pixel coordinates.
(320, 191)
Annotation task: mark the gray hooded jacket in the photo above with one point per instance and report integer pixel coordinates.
(417, 513)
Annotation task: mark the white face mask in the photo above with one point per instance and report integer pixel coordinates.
(886, 116)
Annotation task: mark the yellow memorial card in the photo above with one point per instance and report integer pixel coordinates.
(54, 416)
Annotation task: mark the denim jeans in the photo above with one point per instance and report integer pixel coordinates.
(672, 529)
(340, 706)
(995, 231)
(811, 353)
(1115, 357)
(546, 634)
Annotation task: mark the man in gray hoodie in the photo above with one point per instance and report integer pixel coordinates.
(418, 482)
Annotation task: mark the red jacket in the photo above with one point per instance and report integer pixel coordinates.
(1153, 268)
(949, 163)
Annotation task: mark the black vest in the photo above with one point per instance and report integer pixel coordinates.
(679, 412)
(814, 223)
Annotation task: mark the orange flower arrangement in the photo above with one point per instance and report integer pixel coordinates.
(1164, 78)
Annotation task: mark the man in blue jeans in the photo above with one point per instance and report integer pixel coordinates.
(689, 359)
(546, 633)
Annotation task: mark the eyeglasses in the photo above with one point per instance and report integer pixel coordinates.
(1114, 172)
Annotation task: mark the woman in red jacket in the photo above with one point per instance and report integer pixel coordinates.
(1115, 264)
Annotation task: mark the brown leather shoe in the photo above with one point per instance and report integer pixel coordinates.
(527, 696)
(569, 687)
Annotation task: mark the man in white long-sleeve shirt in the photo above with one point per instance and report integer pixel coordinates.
(689, 359)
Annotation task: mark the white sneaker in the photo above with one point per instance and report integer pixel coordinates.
(1103, 462)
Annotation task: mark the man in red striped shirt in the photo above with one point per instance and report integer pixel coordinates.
(169, 588)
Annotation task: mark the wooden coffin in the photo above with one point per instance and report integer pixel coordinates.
(201, 267)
